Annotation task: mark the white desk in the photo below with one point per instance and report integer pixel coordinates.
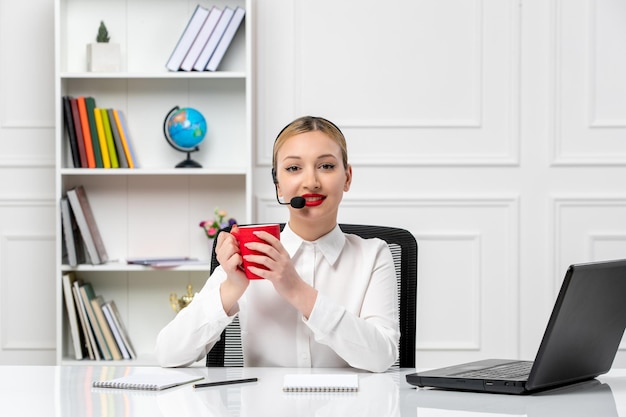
(66, 391)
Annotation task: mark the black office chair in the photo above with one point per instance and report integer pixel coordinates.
(228, 351)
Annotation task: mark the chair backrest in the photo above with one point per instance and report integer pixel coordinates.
(228, 352)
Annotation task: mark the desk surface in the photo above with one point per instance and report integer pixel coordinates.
(37, 390)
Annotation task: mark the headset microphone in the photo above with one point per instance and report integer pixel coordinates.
(296, 202)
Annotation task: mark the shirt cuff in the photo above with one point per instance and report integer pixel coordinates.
(325, 315)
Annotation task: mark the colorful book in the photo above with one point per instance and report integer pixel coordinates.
(109, 138)
(214, 39)
(201, 39)
(123, 138)
(226, 39)
(71, 133)
(126, 134)
(106, 160)
(190, 33)
(84, 122)
(90, 104)
(78, 129)
(117, 140)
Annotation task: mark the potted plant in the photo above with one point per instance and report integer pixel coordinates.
(102, 55)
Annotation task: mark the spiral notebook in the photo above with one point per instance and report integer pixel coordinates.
(321, 383)
(149, 381)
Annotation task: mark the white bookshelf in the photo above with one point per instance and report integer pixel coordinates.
(155, 209)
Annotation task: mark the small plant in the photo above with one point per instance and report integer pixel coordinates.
(212, 227)
(103, 33)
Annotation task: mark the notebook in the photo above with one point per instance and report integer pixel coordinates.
(321, 383)
(580, 342)
(149, 380)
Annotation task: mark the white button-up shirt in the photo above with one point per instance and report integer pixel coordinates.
(354, 321)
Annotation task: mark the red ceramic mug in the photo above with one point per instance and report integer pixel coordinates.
(245, 234)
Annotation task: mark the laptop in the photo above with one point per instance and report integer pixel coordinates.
(580, 341)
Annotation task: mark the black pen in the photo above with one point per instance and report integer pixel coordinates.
(228, 382)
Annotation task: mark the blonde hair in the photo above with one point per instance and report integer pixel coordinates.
(310, 124)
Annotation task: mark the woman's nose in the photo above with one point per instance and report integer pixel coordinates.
(311, 181)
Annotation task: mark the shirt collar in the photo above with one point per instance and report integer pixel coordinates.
(330, 245)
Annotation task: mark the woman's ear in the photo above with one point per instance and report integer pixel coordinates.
(346, 186)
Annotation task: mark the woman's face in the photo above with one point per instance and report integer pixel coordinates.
(310, 165)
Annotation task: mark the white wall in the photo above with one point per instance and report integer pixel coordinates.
(490, 128)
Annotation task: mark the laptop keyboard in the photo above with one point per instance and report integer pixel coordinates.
(511, 370)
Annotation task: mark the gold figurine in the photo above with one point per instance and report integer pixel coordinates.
(182, 302)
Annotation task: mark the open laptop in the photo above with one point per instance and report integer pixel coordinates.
(580, 341)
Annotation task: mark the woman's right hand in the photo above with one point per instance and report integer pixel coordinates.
(229, 257)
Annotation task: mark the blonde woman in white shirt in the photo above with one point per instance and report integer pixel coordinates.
(328, 299)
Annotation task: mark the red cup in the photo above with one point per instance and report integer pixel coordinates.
(245, 234)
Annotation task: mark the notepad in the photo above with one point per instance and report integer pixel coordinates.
(321, 383)
(149, 381)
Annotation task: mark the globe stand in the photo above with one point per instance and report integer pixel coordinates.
(189, 163)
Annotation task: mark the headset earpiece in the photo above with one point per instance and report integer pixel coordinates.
(274, 176)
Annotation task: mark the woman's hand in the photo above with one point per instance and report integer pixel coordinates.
(229, 257)
(281, 272)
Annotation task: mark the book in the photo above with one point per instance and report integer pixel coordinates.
(127, 137)
(78, 130)
(226, 39)
(104, 148)
(119, 331)
(84, 123)
(106, 124)
(89, 338)
(117, 139)
(87, 225)
(72, 314)
(71, 235)
(321, 383)
(214, 39)
(123, 139)
(201, 39)
(90, 104)
(87, 294)
(105, 327)
(71, 134)
(151, 380)
(186, 39)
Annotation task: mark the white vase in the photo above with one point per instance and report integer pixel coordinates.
(103, 57)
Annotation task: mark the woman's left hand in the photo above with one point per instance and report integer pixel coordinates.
(281, 272)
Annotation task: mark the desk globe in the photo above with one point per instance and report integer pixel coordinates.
(184, 129)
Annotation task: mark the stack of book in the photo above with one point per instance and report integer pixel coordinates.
(98, 137)
(81, 236)
(96, 326)
(206, 38)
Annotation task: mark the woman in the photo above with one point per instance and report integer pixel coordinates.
(328, 299)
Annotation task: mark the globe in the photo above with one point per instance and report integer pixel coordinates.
(185, 129)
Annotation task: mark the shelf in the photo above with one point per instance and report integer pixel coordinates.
(124, 267)
(153, 171)
(154, 75)
(153, 210)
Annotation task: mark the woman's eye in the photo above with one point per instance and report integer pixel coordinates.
(327, 166)
(291, 169)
